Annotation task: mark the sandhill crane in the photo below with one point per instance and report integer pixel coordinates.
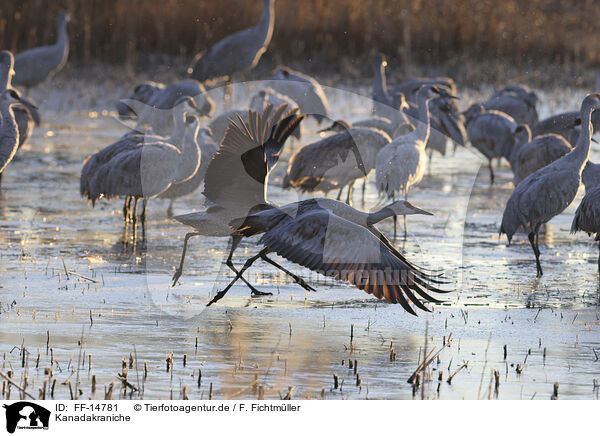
(268, 96)
(144, 167)
(491, 132)
(9, 133)
(336, 161)
(587, 216)
(151, 103)
(375, 122)
(237, 177)
(445, 121)
(529, 155)
(334, 239)
(35, 65)
(590, 177)
(566, 124)
(401, 163)
(516, 101)
(303, 89)
(26, 113)
(547, 192)
(387, 104)
(208, 149)
(236, 53)
(378, 123)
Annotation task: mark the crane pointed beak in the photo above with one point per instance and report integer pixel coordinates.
(595, 141)
(422, 212)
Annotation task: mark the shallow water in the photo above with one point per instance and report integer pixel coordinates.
(66, 274)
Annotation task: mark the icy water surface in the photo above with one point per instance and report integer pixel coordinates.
(65, 274)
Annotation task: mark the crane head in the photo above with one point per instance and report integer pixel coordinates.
(403, 207)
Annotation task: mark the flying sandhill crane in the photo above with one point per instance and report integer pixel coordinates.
(303, 89)
(336, 161)
(516, 101)
(549, 191)
(143, 170)
(529, 155)
(491, 132)
(237, 177)
(268, 96)
(9, 133)
(35, 65)
(26, 113)
(401, 163)
(334, 239)
(151, 103)
(235, 53)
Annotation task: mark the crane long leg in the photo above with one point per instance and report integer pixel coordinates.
(533, 241)
(364, 189)
(134, 219)
(296, 278)
(127, 209)
(349, 193)
(235, 241)
(143, 217)
(339, 194)
(599, 258)
(170, 209)
(491, 172)
(180, 269)
(404, 216)
(247, 265)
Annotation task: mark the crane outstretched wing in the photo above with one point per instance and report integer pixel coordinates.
(326, 243)
(237, 174)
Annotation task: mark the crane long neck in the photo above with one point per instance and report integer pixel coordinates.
(380, 215)
(5, 79)
(9, 135)
(178, 134)
(423, 124)
(190, 157)
(581, 154)
(379, 82)
(63, 39)
(267, 21)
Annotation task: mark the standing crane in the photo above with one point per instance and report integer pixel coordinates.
(37, 64)
(401, 163)
(9, 133)
(236, 53)
(550, 190)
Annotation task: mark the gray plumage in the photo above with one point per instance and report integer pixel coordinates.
(378, 123)
(303, 89)
(151, 103)
(9, 133)
(140, 166)
(35, 65)
(269, 96)
(26, 113)
(208, 148)
(590, 177)
(336, 161)
(334, 239)
(516, 101)
(401, 163)
(529, 155)
(387, 104)
(236, 53)
(566, 124)
(587, 216)
(491, 132)
(549, 191)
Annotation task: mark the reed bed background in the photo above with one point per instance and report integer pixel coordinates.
(321, 33)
